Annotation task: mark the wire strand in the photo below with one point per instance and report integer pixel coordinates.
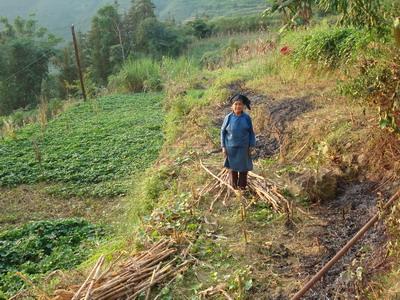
(28, 65)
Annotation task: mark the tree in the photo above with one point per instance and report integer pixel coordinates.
(104, 36)
(25, 53)
(294, 12)
(359, 13)
(68, 72)
(200, 28)
(156, 38)
(139, 11)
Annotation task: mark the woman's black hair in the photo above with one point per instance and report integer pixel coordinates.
(239, 97)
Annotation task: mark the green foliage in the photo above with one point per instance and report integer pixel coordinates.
(330, 47)
(25, 52)
(200, 28)
(53, 13)
(294, 12)
(240, 23)
(103, 37)
(39, 247)
(92, 143)
(358, 13)
(185, 10)
(137, 75)
(157, 39)
(376, 84)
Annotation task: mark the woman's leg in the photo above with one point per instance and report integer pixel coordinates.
(234, 179)
(242, 182)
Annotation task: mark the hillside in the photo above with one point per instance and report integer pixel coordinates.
(125, 195)
(58, 15)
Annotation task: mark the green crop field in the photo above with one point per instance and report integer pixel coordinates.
(88, 150)
(40, 247)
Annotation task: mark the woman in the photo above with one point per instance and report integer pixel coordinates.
(237, 141)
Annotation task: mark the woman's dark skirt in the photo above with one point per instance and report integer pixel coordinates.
(238, 159)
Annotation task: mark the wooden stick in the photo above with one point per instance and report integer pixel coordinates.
(78, 293)
(96, 275)
(151, 282)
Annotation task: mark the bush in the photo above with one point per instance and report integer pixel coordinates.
(329, 47)
(376, 83)
(137, 75)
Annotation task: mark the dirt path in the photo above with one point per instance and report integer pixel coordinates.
(343, 218)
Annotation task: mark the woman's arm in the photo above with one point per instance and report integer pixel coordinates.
(252, 136)
(223, 131)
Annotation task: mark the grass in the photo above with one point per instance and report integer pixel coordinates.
(88, 148)
(137, 75)
(217, 44)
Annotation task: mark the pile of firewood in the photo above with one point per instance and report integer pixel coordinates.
(259, 187)
(134, 277)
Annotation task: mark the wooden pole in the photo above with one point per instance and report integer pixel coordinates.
(344, 250)
(78, 62)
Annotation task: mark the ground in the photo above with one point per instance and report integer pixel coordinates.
(280, 257)
(312, 142)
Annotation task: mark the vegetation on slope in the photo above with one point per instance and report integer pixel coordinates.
(319, 135)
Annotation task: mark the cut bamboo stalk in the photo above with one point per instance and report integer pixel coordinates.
(96, 275)
(78, 293)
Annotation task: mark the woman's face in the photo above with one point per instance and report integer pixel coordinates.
(237, 107)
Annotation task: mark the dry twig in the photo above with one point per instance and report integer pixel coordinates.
(264, 190)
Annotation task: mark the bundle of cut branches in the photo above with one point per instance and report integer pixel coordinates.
(134, 277)
(261, 188)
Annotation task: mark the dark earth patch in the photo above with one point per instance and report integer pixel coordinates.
(344, 217)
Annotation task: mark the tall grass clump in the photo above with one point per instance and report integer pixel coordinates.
(137, 75)
(328, 47)
(178, 76)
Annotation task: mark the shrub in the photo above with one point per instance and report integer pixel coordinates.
(376, 83)
(212, 60)
(137, 75)
(330, 47)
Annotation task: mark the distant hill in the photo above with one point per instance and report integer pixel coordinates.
(58, 15)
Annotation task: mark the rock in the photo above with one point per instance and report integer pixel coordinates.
(349, 158)
(326, 185)
(321, 186)
(362, 159)
(63, 295)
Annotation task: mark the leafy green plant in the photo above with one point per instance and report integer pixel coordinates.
(39, 247)
(92, 143)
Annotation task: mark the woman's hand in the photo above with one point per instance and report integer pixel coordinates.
(251, 151)
(224, 152)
